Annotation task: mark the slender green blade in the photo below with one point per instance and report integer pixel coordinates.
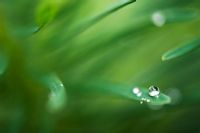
(46, 11)
(181, 50)
(173, 15)
(85, 25)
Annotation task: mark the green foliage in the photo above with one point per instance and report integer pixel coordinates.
(57, 95)
(127, 92)
(181, 50)
(47, 10)
(71, 66)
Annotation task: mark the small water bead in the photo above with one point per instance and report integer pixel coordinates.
(154, 91)
(137, 91)
(158, 19)
(144, 100)
(148, 100)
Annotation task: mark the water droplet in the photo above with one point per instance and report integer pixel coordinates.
(158, 19)
(154, 91)
(148, 100)
(144, 100)
(137, 91)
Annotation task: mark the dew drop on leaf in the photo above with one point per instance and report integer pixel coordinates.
(158, 19)
(144, 100)
(154, 91)
(137, 91)
(148, 100)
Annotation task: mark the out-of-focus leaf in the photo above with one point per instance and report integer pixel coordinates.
(181, 50)
(47, 10)
(85, 25)
(81, 27)
(161, 17)
(57, 95)
(178, 15)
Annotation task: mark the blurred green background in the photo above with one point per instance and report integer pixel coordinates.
(67, 66)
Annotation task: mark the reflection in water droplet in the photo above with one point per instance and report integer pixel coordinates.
(137, 91)
(158, 19)
(154, 91)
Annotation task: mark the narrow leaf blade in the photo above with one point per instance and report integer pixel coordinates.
(127, 92)
(181, 50)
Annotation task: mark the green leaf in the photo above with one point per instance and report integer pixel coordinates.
(181, 50)
(47, 10)
(57, 95)
(127, 92)
(180, 14)
(173, 15)
(85, 25)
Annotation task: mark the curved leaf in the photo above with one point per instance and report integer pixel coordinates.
(57, 95)
(181, 50)
(85, 25)
(47, 10)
